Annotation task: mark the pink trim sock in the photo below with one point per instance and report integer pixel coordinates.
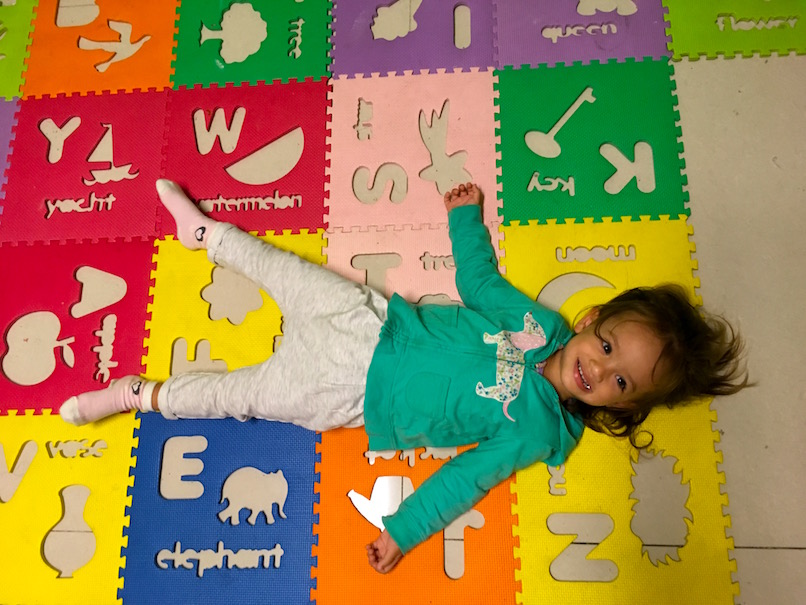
(192, 227)
(127, 393)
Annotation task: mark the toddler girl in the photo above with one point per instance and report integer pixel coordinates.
(502, 371)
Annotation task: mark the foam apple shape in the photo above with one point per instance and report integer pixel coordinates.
(31, 341)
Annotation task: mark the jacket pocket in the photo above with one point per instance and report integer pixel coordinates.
(427, 394)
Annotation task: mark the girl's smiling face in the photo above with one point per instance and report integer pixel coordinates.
(611, 369)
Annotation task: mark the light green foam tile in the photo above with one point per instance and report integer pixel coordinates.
(736, 27)
(15, 29)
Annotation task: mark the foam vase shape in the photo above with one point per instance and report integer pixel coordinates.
(70, 545)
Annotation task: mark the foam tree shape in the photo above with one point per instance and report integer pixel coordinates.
(242, 32)
(31, 341)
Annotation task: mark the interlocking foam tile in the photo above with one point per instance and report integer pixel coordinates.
(8, 110)
(256, 153)
(392, 113)
(574, 139)
(62, 527)
(180, 551)
(651, 526)
(382, 37)
(411, 262)
(262, 40)
(93, 175)
(587, 263)
(634, 513)
(342, 570)
(113, 45)
(736, 27)
(50, 353)
(15, 27)
(179, 278)
(550, 32)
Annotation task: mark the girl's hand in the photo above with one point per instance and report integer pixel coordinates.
(383, 553)
(462, 195)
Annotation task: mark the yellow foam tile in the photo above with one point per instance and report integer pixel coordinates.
(589, 263)
(97, 456)
(602, 477)
(178, 310)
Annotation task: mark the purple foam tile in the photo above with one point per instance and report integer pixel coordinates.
(429, 44)
(530, 32)
(7, 111)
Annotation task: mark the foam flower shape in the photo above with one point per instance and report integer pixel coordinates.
(231, 296)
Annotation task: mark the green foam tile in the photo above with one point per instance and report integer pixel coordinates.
(633, 112)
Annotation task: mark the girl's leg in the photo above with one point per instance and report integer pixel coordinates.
(125, 394)
(296, 285)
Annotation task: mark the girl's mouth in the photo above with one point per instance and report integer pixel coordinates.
(582, 376)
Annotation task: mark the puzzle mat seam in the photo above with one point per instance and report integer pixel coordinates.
(128, 506)
(27, 56)
(317, 493)
(7, 159)
(328, 156)
(411, 72)
(681, 151)
(73, 241)
(586, 63)
(175, 45)
(152, 284)
(216, 85)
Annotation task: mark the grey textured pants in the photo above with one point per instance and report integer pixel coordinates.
(317, 377)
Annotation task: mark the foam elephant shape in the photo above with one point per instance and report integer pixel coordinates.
(250, 488)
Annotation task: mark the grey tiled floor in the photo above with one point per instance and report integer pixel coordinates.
(744, 129)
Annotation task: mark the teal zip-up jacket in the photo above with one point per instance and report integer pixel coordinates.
(445, 376)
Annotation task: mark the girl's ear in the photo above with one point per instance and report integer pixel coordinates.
(587, 320)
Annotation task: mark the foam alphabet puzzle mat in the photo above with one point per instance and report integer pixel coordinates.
(333, 129)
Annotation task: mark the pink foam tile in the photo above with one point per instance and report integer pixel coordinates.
(284, 190)
(411, 262)
(388, 132)
(43, 278)
(51, 192)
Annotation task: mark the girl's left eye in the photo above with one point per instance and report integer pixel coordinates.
(622, 383)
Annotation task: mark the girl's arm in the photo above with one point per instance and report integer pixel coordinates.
(477, 278)
(456, 487)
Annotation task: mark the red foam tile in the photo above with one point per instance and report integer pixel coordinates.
(42, 278)
(271, 112)
(37, 175)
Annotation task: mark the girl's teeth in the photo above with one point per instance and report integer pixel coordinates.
(582, 376)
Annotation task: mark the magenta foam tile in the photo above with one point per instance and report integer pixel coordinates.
(253, 156)
(83, 167)
(531, 32)
(415, 263)
(72, 317)
(369, 37)
(422, 133)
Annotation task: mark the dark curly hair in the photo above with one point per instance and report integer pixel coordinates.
(702, 355)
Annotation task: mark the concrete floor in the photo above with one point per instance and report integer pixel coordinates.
(744, 132)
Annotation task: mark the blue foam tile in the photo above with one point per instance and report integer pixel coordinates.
(157, 524)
